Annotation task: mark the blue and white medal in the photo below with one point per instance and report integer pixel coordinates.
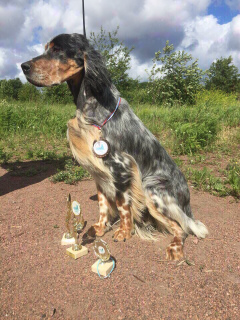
(101, 148)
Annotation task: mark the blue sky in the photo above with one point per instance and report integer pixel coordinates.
(223, 12)
(207, 29)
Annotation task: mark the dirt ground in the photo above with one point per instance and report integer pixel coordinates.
(39, 281)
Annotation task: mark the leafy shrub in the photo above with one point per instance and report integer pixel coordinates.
(9, 89)
(233, 178)
(29, 92)
(71, 173)
(223, 75)
(196, 129)
(57, 94)
(4, 156)
(204, 180)
(176, 79)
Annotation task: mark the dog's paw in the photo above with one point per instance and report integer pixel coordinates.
(174, 251)
(122, 234)
(96, 230)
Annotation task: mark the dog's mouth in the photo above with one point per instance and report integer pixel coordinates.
(40, 84)
(35, 83)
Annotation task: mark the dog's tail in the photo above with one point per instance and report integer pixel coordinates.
(197, 228)
(163, 207)
(188, 224)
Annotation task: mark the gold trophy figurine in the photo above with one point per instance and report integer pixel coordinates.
(68, 236)
(77, 250)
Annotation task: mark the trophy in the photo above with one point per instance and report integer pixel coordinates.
(77, 250)
(68, 236)
(106, 264)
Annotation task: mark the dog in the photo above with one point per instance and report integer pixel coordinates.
(135, 177)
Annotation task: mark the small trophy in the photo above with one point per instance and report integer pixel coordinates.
(106, 264)
(77, 250)
(68, 238)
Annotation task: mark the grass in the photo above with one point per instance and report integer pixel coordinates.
(190, 130)
(33, 131)
(211, 127)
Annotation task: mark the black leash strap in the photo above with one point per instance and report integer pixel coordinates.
(83, 12)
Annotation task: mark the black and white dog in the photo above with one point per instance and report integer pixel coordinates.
(135, 177)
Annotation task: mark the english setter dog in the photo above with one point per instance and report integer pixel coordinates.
(135, 177)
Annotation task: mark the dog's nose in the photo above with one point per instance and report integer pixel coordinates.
(26, 67)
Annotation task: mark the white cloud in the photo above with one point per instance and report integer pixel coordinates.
(138, 70)
(234, 34)
(145, 24)
(207, 40)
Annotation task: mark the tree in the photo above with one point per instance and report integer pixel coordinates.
(223, 75)
(29, 92)
(116, 54)
(57, 94)
(177, 78)
(9, 89)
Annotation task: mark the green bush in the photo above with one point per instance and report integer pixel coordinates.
(9, 89)
(176, 79)
(223, 75)
(57, 94)
(4, 156)
(29, 92)
(233, 178)
(71, 174)
(196, 129)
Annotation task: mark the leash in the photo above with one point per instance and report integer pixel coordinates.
(83, 13)
(111, 115)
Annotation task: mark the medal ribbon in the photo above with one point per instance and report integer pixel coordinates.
(111, 115)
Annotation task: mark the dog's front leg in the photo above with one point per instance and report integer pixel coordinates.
(99, 228)
(126, 224)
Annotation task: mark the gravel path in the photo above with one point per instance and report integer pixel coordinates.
(39, 281)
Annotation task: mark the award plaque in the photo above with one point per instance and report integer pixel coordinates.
(106, 264)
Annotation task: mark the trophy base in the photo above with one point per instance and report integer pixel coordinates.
(77, 254)
(67, 242)
(103, 268)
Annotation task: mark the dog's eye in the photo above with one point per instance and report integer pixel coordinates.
(56, 49)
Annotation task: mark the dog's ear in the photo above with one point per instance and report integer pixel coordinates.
(97, 78)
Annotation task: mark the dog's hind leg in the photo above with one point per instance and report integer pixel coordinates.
(174, 250)
(157, 209)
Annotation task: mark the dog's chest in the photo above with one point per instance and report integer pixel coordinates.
(81, 141)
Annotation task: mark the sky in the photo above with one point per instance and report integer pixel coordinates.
(207, 29)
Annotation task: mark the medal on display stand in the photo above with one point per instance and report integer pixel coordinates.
(101, 147)
(106, 264)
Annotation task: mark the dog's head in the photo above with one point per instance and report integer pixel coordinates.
(69, 57)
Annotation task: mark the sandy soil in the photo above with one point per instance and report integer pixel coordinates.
(39, 281)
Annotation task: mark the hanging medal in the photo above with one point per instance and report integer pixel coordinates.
(101, 147)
